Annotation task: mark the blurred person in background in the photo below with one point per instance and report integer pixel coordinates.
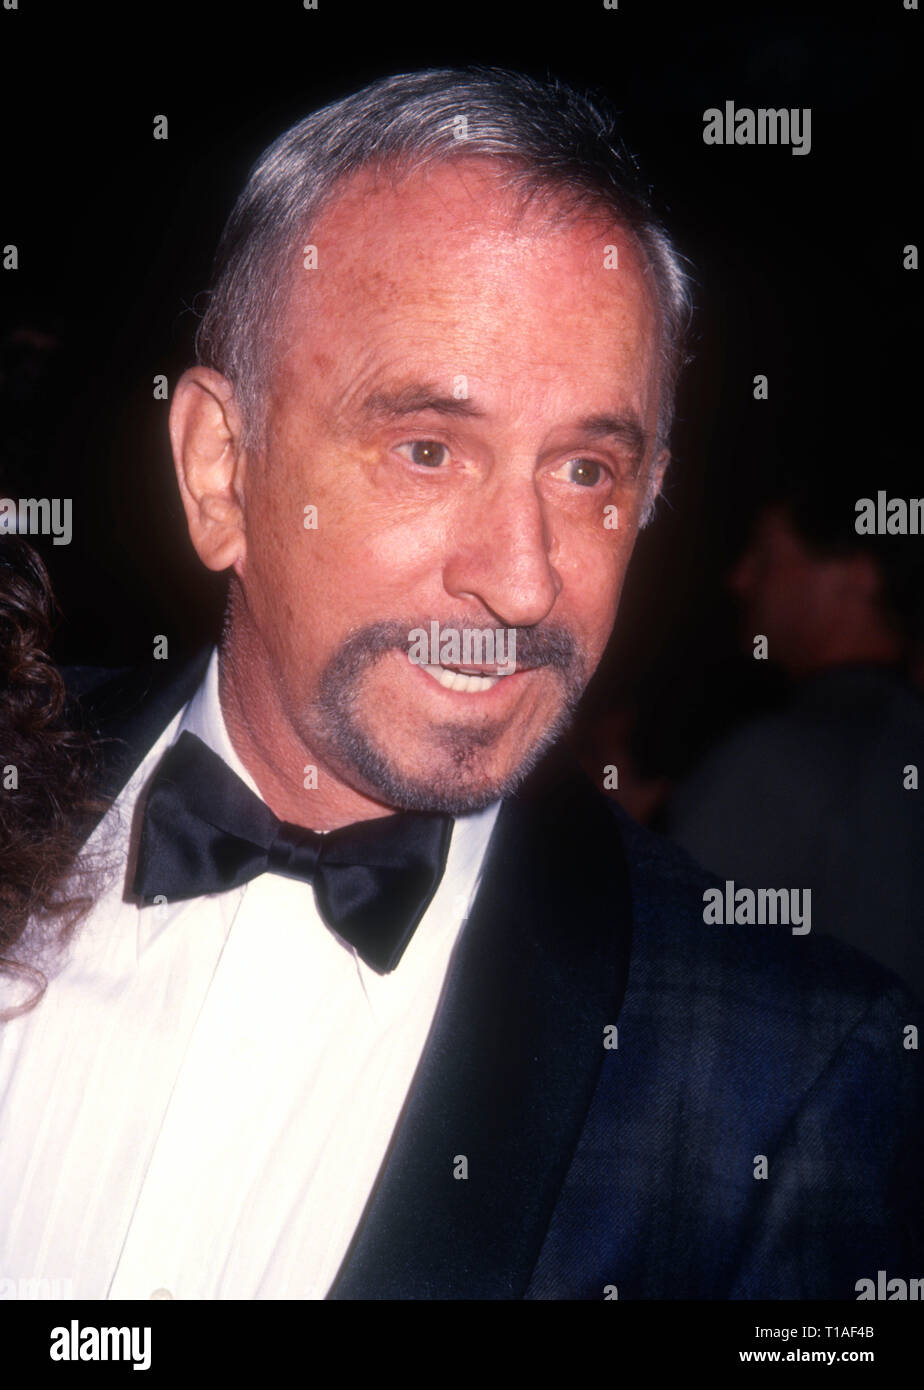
(823, 792)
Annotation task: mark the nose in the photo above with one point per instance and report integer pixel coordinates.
(502, 555)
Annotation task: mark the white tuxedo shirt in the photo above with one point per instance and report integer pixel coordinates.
(201, 1103)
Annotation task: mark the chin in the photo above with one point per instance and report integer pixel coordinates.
(441, 798)
(455, 782)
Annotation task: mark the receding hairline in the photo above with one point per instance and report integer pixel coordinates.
(525, 181)
(544, 132)
(568, 207)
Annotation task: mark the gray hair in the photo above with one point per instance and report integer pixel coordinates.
(551, 137)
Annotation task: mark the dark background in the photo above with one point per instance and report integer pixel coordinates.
(797, 259)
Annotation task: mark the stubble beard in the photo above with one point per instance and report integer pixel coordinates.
(460, 785)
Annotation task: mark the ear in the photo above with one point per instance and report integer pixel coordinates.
(655, 481)
(206, 431)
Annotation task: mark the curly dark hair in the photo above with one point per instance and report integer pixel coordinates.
(47, 771)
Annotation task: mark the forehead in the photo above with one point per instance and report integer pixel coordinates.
(446, 268)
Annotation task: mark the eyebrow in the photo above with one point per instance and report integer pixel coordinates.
(625, 429)
(411, 400)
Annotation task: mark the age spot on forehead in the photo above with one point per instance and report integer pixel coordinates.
(444, 268)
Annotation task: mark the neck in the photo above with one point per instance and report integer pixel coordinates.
(271, 750)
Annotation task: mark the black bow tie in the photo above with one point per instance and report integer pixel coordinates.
(205, 831)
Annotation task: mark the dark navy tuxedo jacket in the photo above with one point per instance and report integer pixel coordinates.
(626, 1163)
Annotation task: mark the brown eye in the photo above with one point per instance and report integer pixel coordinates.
(428, 453)
(584, 472)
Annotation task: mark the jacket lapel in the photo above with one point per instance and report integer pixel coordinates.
(516, 1046)
(129, 710)
(510, 1066)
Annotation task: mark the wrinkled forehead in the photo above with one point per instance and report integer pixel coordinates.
(464, 211)
(466, 249)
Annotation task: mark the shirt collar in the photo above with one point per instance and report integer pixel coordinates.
(204, 718)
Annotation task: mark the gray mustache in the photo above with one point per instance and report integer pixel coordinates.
(552, 645)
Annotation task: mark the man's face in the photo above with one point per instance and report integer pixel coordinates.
(786, 592)
(462, 395)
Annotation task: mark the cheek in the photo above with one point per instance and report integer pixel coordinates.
(279, 574)
(592, 569)
(351, 565)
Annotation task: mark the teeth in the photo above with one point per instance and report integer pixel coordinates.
(455, 680)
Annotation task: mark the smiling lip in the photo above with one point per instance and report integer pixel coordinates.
(468, 680)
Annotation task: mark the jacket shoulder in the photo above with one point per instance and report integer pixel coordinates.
(756, 1130)
(765, 961)
(127, 708)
